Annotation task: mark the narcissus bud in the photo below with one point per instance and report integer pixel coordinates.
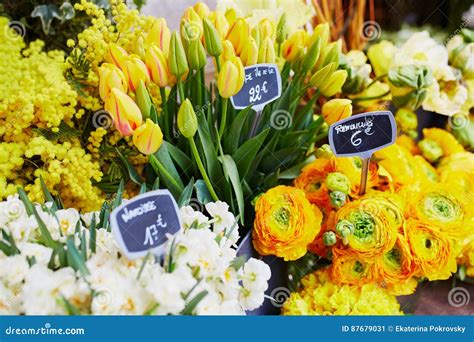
(111, 77)
(160, 35)
(329, 238)
(177, 57)
(212, 39)
(158, 67)
(135, 71)
(124, 111)
(148, 137)
(116, 55)
(249, 55)
(338, 199)
(239, 34)
(266, 53)
(231, 78)
(187, 120)
(336, 110)
(196, 55)
(336, 181)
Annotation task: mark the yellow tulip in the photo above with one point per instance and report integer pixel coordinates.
(135, 71)
(187, 120)
(148, 137)
(334, 84)
(124, 111)
(111, 77)
(266, 29)
(228, 51)
(212, 38)
(239, 34)
(160, 35)
(249, 54)
(322, 31)
(177, 57)
(231, 16)
(220, 23)
(380, 56)
(266, 53)
(231, 78)
(294, 45)
(140, 46)
(201, 9)
(336, 110)
(191, 25)
(116, 55)
(158, 67)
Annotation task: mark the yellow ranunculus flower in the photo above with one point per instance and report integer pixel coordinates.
(231, 78)
(110, 76)
(160, 35)
(158, 67)
(148, 137)
(380, 56)
(239, 34)
(135, 71)
(348, 268)
(124, 111)
(432, 251)
(285, 223)
(445, 140)
(336, 110)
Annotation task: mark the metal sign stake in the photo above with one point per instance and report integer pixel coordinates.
(364, 175)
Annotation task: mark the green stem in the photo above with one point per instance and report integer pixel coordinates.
(223, 117)
(218, 64)
(202, 169)
(367, 98)
(181, 91)
(164, 106)
(381, 77)
(200, 85)
(162, 170)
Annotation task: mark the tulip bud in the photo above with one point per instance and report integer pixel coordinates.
(116, 55)
(266, 53)
(201, 9)
(231, 78)
(148, 137)
(331, 54)
(238, 34)
(135, 71)
(431, 150)
(111, 77)
(187, 120)
(160, 35)
(177, 57)
(406, 119)
(140, 47)
(408, 85)
(311, 57)
(124, 111)
(336, 110)
(282, 29)
(380, 56)
(344, 228)
(329, 238)
(335, 83)
(231, 16)
(322, 31)
(143, 100)
(158, 67)
(336, 181)
(212, 40)
(220, 23)
(337, 198)
(249, 55)
(256, 36)
(196, 55)
(228, 52)
(294, 45)
(321, 76)
(191, 26)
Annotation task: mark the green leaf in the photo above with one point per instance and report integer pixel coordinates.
(29, 207)
(119, 195)
(202, 193)
(132, 173)
(164, 167)
(231, 171)
(188, 310)
(156, 184)
(210, 153)
(246, 153)
(75, 259)
(71, 309)
(231, 141)
(64, 132)
(143, 189)
(294, 171)
(186, 194)
(93, 235)
(184, 162)
(280, 158)
(238, 262)
(47, 195)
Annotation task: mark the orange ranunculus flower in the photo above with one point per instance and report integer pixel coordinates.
(445, 140)
(312, 180)
(389, 204)
(375, 231)
(348, 268)
(285, 223)
(432, 251)
(463, 161)
(395, 269)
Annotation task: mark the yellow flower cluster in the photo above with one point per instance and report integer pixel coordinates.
(35, 95)
(321, 296)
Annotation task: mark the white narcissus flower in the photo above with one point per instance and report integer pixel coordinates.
(87, 218)
(251, 299)
(165, 289)
(13, 270)
(68, 219)
(447, 100)
(189, 217)
(223, 218)
(23, 229)
(41, 254)
(12, 209)
(256, 275)
(10, 302)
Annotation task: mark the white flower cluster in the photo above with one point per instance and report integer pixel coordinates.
(199, 262)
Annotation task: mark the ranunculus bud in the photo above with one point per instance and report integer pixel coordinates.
(148, 137)
(336, 181)
(329, 238)
(430, 149)
(187, 120)
(406, 119)
(344, 228)
(337, 198)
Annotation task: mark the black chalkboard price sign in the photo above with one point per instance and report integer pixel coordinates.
(262, 85)
(361, 135)
(141, 224)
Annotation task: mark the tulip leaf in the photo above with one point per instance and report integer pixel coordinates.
(232, 173)
(92, 235)
(182, 160)
(164, 166)
(132, 173)
(305, 115)
(232, 139)
(246, 153)
(294, 171)
(47, 195)
(188, 310)
(186, 194)
(75, 259)
(202, 193)
(280, 158)
(210, 152)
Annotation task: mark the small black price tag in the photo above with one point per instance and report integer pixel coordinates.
(363, 134)
(262, 85)
(141, 224)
